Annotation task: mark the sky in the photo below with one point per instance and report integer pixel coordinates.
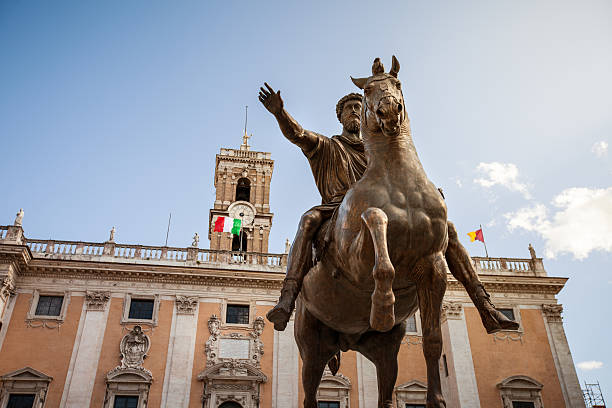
(111, 114)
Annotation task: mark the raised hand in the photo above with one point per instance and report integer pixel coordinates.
(270, 99)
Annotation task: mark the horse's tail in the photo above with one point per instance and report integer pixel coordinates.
(334, 363)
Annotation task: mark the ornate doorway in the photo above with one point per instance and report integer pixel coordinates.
(230, 404)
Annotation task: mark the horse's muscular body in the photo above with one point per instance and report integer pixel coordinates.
(386, 257)
(395, 183)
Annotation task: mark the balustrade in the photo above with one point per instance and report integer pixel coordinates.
(508, 265)
(197, 256)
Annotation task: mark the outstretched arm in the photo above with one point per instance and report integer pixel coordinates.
(292, 130)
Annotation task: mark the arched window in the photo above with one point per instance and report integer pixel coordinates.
(239, 242)
(243, 189)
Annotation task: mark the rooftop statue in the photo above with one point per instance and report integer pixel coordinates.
(19, 218)
(360, 287)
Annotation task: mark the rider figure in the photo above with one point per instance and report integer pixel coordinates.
(336, 164)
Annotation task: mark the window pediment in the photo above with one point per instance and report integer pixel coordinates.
(233, 370)
(232, 381)
(26, 374)
(520, 382)
(520, 388)
(25, 381)
(412, 392)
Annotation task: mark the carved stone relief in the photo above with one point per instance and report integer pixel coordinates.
(8, 287)
(234, 346)
(96, 300)
(130, 376)
(552, 313)
(186, 304)
(451, 310)
(134, 347)
(232, 380)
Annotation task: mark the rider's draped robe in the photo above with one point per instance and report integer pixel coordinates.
(336, 162)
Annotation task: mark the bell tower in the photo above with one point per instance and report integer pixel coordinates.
(242, 184)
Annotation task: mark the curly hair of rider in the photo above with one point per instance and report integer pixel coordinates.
(345, 99)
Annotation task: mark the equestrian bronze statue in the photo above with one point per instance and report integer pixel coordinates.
(381, 250)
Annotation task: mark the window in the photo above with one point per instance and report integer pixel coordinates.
(520, 391)
(415, 406)
(329, 404)
(522, 404)
(237, 314)
(24, 388)
(509, 313)
(49, 305)
(21, 401)
(123, 401)
(411, 324)
(141, 309)
(243, 189)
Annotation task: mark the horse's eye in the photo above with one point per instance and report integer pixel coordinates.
(398, 85)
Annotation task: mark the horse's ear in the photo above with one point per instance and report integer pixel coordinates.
(395, 66)
(360, 82)
(377, 67)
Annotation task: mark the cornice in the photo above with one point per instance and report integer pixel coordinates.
(153, 274)
(246, 276)
(516, 284)
(18, 255)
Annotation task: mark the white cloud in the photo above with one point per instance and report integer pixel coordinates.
(590, 365)
(582, 222)
(503, 174)
(600, 149)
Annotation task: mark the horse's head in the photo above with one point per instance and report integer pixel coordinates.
(383, 107)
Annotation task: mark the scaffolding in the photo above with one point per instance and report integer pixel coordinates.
(593, 397)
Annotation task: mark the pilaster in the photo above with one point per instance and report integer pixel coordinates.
(86, 354)
(367, 382)
(179, 363)
(286, 369)
(562, 356)
(461, 381)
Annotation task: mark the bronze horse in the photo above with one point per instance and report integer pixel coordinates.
(385, 256)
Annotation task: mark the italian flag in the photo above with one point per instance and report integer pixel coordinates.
(227, 224)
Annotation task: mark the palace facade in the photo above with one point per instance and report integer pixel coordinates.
(86, 324)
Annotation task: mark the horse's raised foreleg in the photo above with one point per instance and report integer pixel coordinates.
(317, 344)
(431, 288)
(382, 349)
(382, 315)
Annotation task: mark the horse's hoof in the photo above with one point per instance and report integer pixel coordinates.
(279, 317)
(497, 321)
(382, 313)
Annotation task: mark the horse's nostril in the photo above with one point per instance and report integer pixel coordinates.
(379, 112)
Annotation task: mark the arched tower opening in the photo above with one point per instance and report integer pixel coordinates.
(239, 242)
(243, 189)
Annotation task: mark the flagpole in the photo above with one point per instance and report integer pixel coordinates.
(484, 243)
(168, 230)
